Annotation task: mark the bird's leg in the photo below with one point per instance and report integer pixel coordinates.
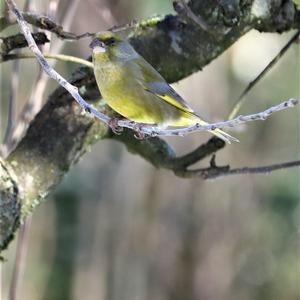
(139, 135)
(113, 124)
(138, 132)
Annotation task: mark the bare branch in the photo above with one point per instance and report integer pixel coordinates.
(241, 98)
(211, 147)
(159, 154)
(61, 57)
(214, 171)
(155, 131)
(46, 23)
(263, 169)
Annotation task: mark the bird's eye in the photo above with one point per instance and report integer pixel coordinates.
(110, 41)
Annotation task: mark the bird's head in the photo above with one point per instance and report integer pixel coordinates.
(110, 46)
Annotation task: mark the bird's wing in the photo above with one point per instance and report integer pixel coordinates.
(154, 83)
(167, 93)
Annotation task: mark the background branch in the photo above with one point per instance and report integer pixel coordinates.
(61, 57)
(18, 41)
(241, 99)
(36, 100)
(159, 154)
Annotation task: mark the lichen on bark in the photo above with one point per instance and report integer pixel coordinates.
(10, 204)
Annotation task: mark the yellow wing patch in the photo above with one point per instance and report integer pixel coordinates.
(174, 102)
(167, 94)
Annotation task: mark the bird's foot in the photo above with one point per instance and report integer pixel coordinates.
(138, 133)
(115, 128)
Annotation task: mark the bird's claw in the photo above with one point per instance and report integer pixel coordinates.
(138, 133)
(115, 128)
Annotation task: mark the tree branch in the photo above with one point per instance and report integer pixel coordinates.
(148, 130)
(61, 57)
(159, 154)
(254, 170)
(60, 134)
(43, 22)
(18, 41)
(214, 172)
(46, 23)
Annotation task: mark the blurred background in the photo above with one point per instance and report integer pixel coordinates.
(117, 228)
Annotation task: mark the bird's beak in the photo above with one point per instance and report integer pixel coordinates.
(97, 46)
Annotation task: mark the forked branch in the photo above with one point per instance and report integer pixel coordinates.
(147, 130)
(45, 156)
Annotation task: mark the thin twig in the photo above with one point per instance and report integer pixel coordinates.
(214, 172)
(61, 57)
(205, 150)
(240, 101)
(155, 131)
(264, 169)
(46, 23)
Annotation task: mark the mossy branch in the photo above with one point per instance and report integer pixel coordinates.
(60, 134)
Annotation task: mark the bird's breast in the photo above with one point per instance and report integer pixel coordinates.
(123, 90)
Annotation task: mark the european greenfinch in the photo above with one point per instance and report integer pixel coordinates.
(135, 90)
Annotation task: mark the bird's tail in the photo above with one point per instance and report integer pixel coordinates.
(217, 132)
(220, 133)
(191, 118)
(224, 136)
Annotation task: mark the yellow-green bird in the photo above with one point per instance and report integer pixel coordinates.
(135, 90)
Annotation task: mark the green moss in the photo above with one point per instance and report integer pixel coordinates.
(10, 205)
(151, 22)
